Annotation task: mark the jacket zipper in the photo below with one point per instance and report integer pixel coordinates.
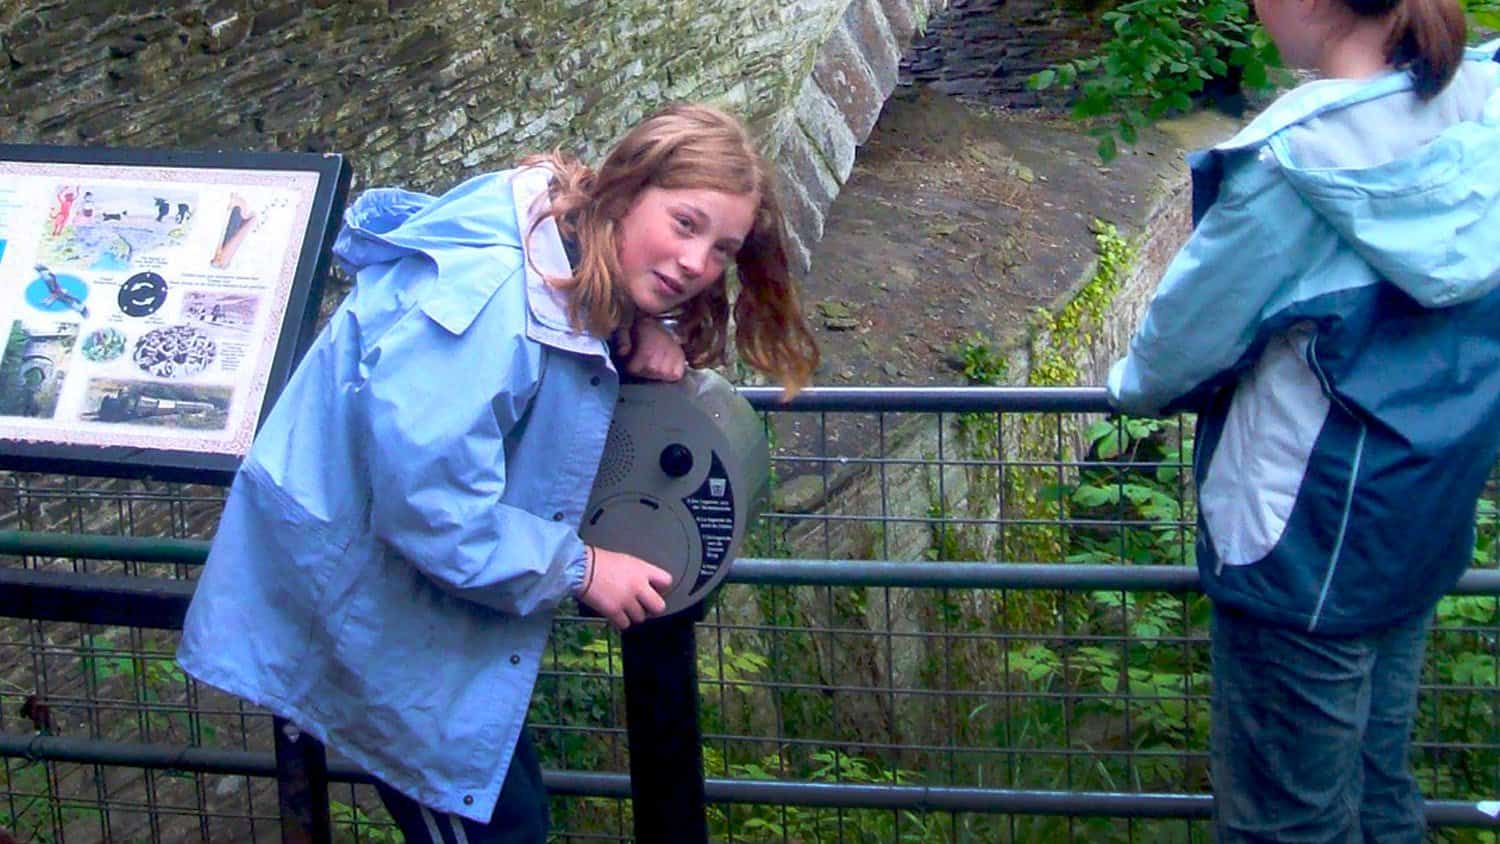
(1359, 451)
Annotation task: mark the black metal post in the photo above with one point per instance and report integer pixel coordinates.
(302, 786)
(666, 744)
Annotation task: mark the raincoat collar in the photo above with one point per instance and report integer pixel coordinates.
(546, 257)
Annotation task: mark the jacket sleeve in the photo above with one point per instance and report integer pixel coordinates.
(1206, 320)
(434, 408)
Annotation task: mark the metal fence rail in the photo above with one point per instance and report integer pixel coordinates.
(105, 599)
(877, 669)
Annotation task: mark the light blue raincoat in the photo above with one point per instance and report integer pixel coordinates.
(393, 547)
(1336, 321)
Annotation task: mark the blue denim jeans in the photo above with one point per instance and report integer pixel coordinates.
(1310, 733)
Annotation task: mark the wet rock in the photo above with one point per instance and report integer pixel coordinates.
(985, 50)
(837, 316)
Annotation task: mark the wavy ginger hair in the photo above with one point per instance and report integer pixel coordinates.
(686, 147)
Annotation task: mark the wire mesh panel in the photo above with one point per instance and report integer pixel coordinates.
(963, 688)
(123, 685)
(1079, 702)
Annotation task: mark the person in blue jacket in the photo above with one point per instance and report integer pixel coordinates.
(1334, 319)
(393, 547)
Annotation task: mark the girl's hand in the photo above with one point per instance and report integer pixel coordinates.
(625, 590)
(652, 352)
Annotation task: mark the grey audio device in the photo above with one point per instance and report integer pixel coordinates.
(684, 472)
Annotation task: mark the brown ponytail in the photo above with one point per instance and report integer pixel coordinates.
(1427, 38)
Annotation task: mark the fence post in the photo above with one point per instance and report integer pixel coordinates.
(301, 786)
(666, 746)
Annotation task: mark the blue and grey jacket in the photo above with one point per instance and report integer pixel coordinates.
(389, 558)
(1335, 320)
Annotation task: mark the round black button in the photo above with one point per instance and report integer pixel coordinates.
(557, 517)
(468, 799)
(142, 294)
(676, 460)
(515, 659)
(594, 381)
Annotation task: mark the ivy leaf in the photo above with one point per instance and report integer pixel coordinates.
(1107, 148)
(1099, 430)
(1255, 75)
(1110, 445)
(1096, 496)
(1043, 80)
(1054, 492)
(1139, 428)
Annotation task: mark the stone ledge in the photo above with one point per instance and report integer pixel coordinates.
(962, 219)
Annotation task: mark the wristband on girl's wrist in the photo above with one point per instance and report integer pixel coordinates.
(588, 575)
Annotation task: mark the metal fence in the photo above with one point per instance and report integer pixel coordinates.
(967, 615)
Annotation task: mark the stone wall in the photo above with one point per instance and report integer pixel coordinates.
(425, 94)
(837, 105)
(987, 49)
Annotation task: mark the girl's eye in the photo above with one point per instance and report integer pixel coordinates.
(684, 223)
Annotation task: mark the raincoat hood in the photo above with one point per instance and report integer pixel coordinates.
(1413, 186)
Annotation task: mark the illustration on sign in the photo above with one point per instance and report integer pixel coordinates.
(142, 306)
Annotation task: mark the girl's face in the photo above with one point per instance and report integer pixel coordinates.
(675, 243)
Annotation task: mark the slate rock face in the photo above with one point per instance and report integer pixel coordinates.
(986, 49)
(425, 94)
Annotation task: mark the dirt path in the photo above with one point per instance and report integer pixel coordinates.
(961, 219)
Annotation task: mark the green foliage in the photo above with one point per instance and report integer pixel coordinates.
(1484, 13)
(1486, 524)
(979, 361)
(1461, 655)
(947, 539)
(1139, 487)
(578, 686)
(154, 677)
(766, 823)
(921, 17)
(767, 538)
(984, 365)
(1161, 55)
(1055, 337)
(1057, 341)
(33, 811)
(1131, 503)
(351, 824)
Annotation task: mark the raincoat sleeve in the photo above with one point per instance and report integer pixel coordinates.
(435, 409)
(1206, 321)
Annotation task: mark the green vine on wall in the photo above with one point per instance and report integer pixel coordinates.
(982, 364)
(1057, 338)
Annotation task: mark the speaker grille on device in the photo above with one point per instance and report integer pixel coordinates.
(618, 458)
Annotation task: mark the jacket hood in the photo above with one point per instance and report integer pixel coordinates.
(385, 224)
(1411, 185)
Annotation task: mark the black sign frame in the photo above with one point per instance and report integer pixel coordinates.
(293, 335)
